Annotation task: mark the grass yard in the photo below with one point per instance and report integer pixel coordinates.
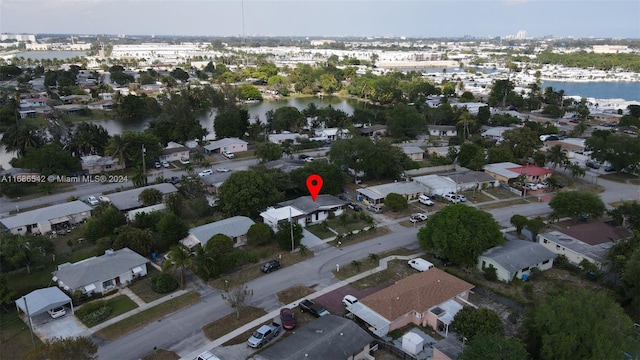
(246, 274)
(320, 231)
(161, 354)
(366, 264)
(500, 193)
(620, 177)
(142, 287)
(148, 316)
(504, 204)
(353, 221)
(478, 198)
(294, 293)
(15, 338)
(230, 322)
(119, 305)
(360, 237)
(396, 270)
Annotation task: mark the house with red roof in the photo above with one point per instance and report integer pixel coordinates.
(507, 172)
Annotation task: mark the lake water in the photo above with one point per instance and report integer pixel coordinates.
(629, 91)
(39, 55)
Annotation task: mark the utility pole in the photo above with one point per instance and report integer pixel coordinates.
(291, 227)
(26, 307)
(144, 168)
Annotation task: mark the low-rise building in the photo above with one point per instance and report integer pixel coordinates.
(101, 273)
(174, 152)
(443, 130)
(47, 219)
(235, 227)
(374, 195)
(287, 136)
(515, 259)
(508, 172)
(96, 164)
(232, 145)
(130, 199)
(413, 152)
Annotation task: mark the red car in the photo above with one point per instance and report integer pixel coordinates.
(286, 316)
(574, 121)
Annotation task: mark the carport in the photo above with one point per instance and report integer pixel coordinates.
(41, 300)
(376, 323)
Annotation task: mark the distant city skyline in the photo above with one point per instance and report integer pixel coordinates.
(331, 18)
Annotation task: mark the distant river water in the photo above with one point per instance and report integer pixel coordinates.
(629, 91)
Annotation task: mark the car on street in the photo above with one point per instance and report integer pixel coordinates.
(343, 197)
(228, 155)
(355, 207)
(376, 209)
(592, 164)
(173, 180)
(205, 172)
(309, 159)
(222, 169)
(610, 168)
(418, 217)
(574, 121)
(93, 201)
(184, 161)
(165, 164)
(103, 198)
(349, 300)
(286, 317)
(264, 334)
(57, 312)
(303, 156)
(272, 265)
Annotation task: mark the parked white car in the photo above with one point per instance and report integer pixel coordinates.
(205, 172)
(420, 264)
(57, 312)
(462, 198)
(228, 155)
(184, 161)
(417, 217)
(349, 299)
(452, 198)
(93, 201)
(222, 169)
(531, 186)
(424, 199)
(165, 164)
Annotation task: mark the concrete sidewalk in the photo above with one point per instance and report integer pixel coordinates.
(268, 317)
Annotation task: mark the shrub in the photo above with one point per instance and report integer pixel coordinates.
(97, 316)
(490, 273)
(163, 283)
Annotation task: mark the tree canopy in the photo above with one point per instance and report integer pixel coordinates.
(577, 203)
(620, 150)
(77, 348)
(579, 324)
(268, 151)
(248, 193)
(333, 178)
(395, 202)
(460, 233)
(471, 322)
(231, 123)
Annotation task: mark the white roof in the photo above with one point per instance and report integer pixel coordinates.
(41, 300)
(502, 169)
(283, 213)
(126, 200)
(451, 308)
(222, 143)
(436, 183)
(402, 188)
(45, 214)
(369, 316)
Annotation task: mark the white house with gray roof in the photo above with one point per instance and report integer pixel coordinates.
(235, 227)
(101, 273)
(45, 220)
(232, 145)
(319, 210)
(516, 258)
(374, 195)
(130, 199)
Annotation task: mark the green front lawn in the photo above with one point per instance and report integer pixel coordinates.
(320, 231)
(142, 287)
(15, 338)
(119, 305)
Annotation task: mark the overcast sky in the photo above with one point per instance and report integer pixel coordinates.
(332, 18)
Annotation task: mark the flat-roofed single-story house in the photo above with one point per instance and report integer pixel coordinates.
(413, 152)
(28, 114)
(47, 219)
(130, 199)
(590, 241)
(174, 152)
(287, 136)
(436, 184)
(328, 337)
(443, 130)
(373, 130)
(214, 181)
(516, 258)
(469, 180)
(507, 172)
(319, 210)
(131, 215)
(332, 134)
(33, 102)
(273, 216)
(232, 145)
(234, 227)
(495, 133)
(430, 298)
(96, 164)
(374, 195)
(101, 273)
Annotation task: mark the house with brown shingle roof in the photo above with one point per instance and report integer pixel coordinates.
(430, 298)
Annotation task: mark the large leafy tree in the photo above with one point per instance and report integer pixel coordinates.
(177, 121)
(620, 150)
(268, 151)
(128, 147)
(247, 193)
(579, 324)
(405, 122)
(494, 347)
(260, 234)
(352, 153)
(471, 322)
(22, 251)
(631, 276)
(249, 92)
(471, 156)
(48, 159)
(104, 223)
(388, 161)
(179, 260)
(77, 348)
(460, 233)
(286, 118)
(577, 203)
(522, 142)
(333, 178)
(171, 229)
(627, 215)
(231, 122)
(151, 196)
(138, 240)
(395, 202)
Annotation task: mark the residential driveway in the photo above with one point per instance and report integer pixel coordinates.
(309, 240)
(333, 300)
(67, 326)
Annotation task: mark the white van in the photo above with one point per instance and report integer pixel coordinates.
(420, 264)
(424, 199)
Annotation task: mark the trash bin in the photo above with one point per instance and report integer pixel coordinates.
(525, 277)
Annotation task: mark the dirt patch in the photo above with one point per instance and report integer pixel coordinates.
(333, 300)
(396, 270)
(294, 293)
(230, 322)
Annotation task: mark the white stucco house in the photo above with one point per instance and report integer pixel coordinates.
(47, 219)
(232, 145)
(101, 273)
(516, 258)
(174, 152)
(273, 216)
(96, 164)
(304, 210)
(234, 227)
(443, 130)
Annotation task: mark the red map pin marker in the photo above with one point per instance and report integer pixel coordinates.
(314, 184)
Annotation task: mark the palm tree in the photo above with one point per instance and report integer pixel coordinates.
(557, 155)
(117, 148)
(20, 138)
(178, 259)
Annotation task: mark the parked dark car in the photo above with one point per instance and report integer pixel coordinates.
(312, 308)
(355, 207)
(303, 157)
(174, 180)
(343, 197)
(286, 317)
(592, 164)
(610, 168)
(271, 266)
